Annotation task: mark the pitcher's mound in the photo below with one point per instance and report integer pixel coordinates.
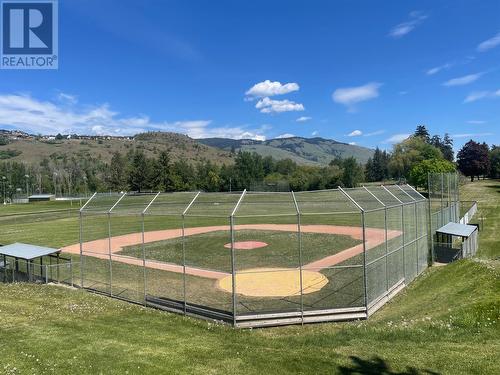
(246, 245)
(273, 282)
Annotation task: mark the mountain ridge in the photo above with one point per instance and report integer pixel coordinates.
(309, 151)
(304, 151)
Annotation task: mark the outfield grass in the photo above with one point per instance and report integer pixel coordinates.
(447, 321)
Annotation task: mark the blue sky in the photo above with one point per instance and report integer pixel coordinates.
(355, 71)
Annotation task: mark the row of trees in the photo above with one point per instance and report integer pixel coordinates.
(410, 160)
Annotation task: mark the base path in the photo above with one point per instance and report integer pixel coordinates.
(101, 248)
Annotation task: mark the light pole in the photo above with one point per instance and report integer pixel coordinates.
(55, 184)
(27, 187)
(85, 185)
(3, 182)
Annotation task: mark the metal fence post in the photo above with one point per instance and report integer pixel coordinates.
(233, 259)
(144, 259)
(82, 259)
(442, 192)
(184, 290)
(402, 228)
(109, 245)
(299, 233)
(81, 250)
(109, 255)
(430, 233)
(365, 276)
(143, 213)
(385, 238)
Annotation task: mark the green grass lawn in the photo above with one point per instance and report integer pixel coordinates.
(446, 321)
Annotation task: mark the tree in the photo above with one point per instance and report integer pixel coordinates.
(353, 172)
(423, 133)
(445, 145)
(248, 168)
(410, 152)
(473, 159)
(420, 171)
(162, 176)
(117, 179)
(378, 169)
(447, 148)
(495, 162)
(139, 174)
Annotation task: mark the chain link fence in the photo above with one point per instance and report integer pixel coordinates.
(256, 258)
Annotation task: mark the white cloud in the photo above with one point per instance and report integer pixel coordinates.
(67, 98)
(477, 122)
(303, 119)
(396, 138)
(489, 44)
(268, 88)
(355, 133)
(437, 69)
(267, 105)
(315, 133)
(376, 132)
(477, 95)
(286, 135)
(26, 113)
(400, 30)
(465, 80)
(352, 143)
(352, 95)
(471, 135)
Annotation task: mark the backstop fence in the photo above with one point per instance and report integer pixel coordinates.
(256, 258)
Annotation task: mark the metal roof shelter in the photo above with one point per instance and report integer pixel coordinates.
(26, 262)
(26, 251)
(449, 249)
(456, 229)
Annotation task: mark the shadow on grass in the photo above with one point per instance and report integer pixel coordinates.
(377, 365)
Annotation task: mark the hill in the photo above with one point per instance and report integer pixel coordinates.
(304, 151)
(33, 149)
(307, 151)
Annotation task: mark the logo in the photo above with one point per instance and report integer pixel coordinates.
(29, 37)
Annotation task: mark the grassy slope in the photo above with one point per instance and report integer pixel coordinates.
(446, 322)
(178, 145)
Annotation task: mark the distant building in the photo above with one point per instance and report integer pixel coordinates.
(41, 197)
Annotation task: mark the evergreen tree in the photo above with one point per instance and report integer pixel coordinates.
(353, 173)
(162, 174)
(380, 165)
(139, 174)
(117, 173)
(423, 133)
(369, 172)
(447, 148)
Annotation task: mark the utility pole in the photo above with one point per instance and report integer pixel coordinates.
(3, 181)
(27, 185)
(55, 184)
